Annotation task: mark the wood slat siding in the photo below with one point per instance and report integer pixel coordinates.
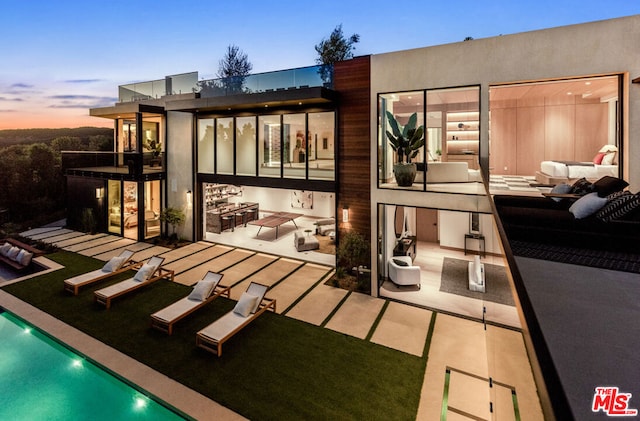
(353, 82)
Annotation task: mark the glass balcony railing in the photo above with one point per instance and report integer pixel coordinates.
(171, 85)
(303, 77)
(115, 163)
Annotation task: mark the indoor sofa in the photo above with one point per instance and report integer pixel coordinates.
(305, 242)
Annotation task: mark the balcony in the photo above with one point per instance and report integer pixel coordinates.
(282, 80)
(127, 165)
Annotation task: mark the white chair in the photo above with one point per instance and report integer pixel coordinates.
(403, 272)
(115, 265)
(476, 275)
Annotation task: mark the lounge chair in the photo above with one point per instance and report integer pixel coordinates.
(204, 292)
(251, 304)
(147, 274)
(116, 264)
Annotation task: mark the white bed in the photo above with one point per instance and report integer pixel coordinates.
(555, 169)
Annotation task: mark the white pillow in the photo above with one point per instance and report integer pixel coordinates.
(202, 290)
(245, 305)
(608, 158)
(25, 259)
(13, 253)
(5, 249)
(144, 272)
(114, 264)
(20, 255)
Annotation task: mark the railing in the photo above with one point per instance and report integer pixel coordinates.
(127, 162)
(303, 77)
(170, 85)
(281, 80)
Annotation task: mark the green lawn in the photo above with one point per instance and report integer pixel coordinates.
(276, 368)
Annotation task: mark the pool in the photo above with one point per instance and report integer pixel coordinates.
(42, 379)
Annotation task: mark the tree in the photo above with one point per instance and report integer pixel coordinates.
(233, 68)
(336, 48)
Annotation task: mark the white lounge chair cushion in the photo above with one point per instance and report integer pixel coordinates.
(176, 309)
(114, 264)
(246, 304)
(144, 272)
(84, 277)
(226, 324)
(202, 290)
(114, 289)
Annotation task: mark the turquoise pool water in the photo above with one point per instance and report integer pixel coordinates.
(43, 380)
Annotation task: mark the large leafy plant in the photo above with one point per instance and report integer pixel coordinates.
(405, 140)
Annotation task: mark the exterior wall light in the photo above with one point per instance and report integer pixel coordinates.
(99, 192)
(345, 214)
(189, 203)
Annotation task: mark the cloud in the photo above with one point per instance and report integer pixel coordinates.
(83, 80)
(22, 85)
(2, 98)
(8, 111)
(82, 101)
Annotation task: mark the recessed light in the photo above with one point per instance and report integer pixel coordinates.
(587, 83)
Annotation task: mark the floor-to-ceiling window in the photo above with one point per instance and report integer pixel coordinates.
(114, 194)
(224, 145)
(205, 145)
(295, 145)
(322, 145)
(270, 148)
(536, 126)
(152, 208)
(246, 145)
(448, 151)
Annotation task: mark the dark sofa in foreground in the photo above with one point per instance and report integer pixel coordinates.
(610, 222)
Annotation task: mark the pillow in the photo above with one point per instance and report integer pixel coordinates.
(562, 188)
(144, 272)
(608, 158)
(587, 205)
(4, 250)
(582, 187)
(114, 264)
(20, 255)
(607, 185)
(598, 158)
(618, 206)
(13, 253)
(202, 290)
(25, 259)
(400, 262)
(245, 304)
(608, 148)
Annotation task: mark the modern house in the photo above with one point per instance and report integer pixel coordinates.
(498, 113)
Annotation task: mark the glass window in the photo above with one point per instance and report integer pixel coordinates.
(115, 207)
(399, 108)
(224, 146)
(205, 145)
(270, 153)
(295, 145)
(321, 146)
(130, 210)
(246, 146)
(151, 209)
(460, 108)
(127, 136)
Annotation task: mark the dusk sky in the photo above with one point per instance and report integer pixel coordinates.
(60, 58)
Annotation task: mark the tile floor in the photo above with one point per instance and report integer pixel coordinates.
(459, 346)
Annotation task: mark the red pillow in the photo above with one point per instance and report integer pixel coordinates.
(598, 158)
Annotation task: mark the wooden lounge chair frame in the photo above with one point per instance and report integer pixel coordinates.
(166, 326)
(100, 297)
(127, 265)
(214, 345)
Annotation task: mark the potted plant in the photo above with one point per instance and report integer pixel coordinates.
(156, 148)
(406, 141)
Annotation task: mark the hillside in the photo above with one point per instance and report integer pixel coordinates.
(28, 136)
